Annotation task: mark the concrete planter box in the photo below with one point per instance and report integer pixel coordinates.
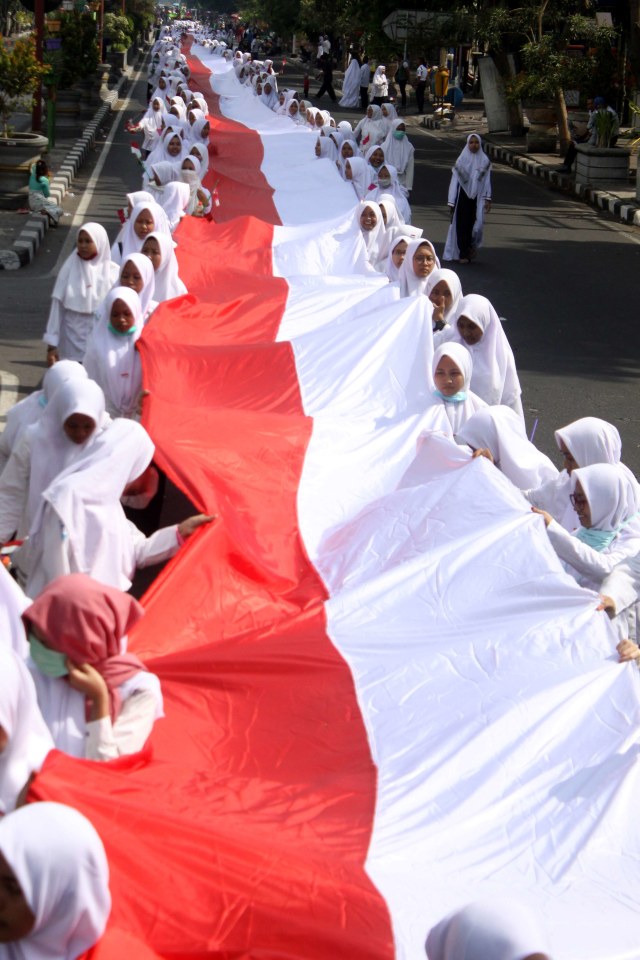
(17, 153)
(599, 166)
(542, 135)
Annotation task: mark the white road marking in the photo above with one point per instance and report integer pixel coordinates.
(87, 197)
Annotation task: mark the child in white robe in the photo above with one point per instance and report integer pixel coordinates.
(82, 284)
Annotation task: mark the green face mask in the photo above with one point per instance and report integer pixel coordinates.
(50, 662)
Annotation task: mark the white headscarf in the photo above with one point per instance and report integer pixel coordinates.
(130, 241)
(112, 359)
(396, 236)
(203, 156)
(472, 168)
(487, 930)
(500, 430)
(362, 176)
(29, 740)
(389, 114)
(87, 504)
(82, 284)
(145, 269)
(29, 410)
(397, 152)
(327, 147)
(591, 440)
(495, 378)
(611, 493)
(60, 864)
(374, 239)
(175, 200)
(397, 191)
(51, 450)
(457, 412)
(410, 284)
(452, 280)
(371, 130)
(168, 282)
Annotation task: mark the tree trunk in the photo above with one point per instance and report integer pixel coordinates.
(563, 122)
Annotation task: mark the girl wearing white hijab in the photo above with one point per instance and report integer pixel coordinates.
(348, 149)
(419, 262)
(81, 526)
(200, 130)
(175, 200)
(445, 292)
(170, 147)
(389, 114)
(499, 432)
(469, 200)
(24, 738)
(64, 433)
(606, 501)
(388, 206)
(398, 244)
(452, 371)
(582, 443)
(160, 250)
(57, 861)
(137, 272)
(83, 282)
(326, 148)
(29, 410)
(111, 358)
(370, 129)
(388, 185)
(400, 152)
(358, 172)
(488, 930)
(146, 217)
(369, 218)
(200, 199)
(200, 151)
(152, 123)
(495, 379)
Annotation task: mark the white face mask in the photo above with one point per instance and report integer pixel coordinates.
(384, 182)
(189, 176)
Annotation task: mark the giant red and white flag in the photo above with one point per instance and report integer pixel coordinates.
(384, 697)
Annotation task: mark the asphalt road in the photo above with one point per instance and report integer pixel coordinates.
(563, 275)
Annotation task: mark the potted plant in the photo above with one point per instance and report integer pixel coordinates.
(598, 162)
(20, 76)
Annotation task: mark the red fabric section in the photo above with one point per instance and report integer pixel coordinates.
(243, 829)
(235, 156)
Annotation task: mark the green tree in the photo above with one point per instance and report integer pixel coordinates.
(20, 74)
(540, 34)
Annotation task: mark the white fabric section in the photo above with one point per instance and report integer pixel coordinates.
(289, 159)
(61, 867)
(504, 731)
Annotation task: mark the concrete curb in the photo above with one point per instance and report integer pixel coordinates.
(24, 248)
(621, 209)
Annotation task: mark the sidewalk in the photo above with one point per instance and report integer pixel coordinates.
(21, 231)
